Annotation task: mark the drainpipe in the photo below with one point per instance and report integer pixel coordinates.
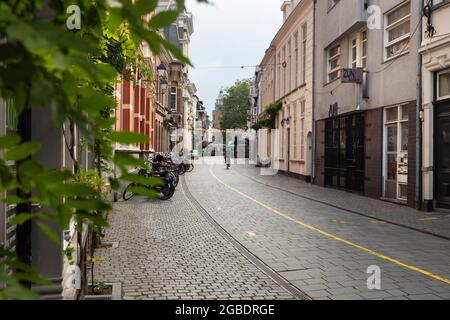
(418, 189)
(313, 151)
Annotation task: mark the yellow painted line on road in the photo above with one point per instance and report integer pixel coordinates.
(427, 219)
(329, 235)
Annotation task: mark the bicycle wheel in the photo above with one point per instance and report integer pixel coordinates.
(167, 192)
(128, 193)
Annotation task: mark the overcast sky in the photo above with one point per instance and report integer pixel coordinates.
(229, 33)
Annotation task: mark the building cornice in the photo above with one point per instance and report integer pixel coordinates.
(291, 19)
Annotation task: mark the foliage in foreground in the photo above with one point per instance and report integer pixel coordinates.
(69, 74)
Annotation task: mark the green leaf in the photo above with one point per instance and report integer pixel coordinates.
(49, 232)
(144, 191)
(143, 7)
(57, 177)
(22, 218)
(115, 184)
(126, 160)
(13, 200)
(88, 205)
(141, 180)
(163, 19)
(176, 51)
(9, 141)
(128, 138)
(94, 218)
(23, 151)
(74, 190)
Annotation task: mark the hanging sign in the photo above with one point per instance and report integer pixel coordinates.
(352, 75)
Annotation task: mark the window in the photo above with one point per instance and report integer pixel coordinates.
(358, 50)
(354, 53)
(443, 84)
(364, 49)
(282, 136)
(397, 30)
(304, 39)
(173, 99)
(295, 117)
(396, 151)
(296, 59)
(334, 63)
(279, 75)
(302, 129)
(284, 71)
(289, 73)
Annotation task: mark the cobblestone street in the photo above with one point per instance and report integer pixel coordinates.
(234, 234)
(168, 250)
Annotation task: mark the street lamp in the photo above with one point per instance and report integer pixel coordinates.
(161, 69)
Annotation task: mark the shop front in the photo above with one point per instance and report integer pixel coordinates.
(442, 136)
(345, 152)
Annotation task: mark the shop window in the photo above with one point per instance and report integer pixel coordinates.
(444, 85)
(396, 152)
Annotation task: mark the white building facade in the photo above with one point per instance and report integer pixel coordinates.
(435, 52)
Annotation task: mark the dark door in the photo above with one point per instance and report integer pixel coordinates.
(442, 147)
(354, 159)
(288, 157)
(344, 152)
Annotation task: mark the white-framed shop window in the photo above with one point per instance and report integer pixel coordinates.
(443, 85)
(395, 157)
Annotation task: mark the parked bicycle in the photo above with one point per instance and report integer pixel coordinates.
(165, 190)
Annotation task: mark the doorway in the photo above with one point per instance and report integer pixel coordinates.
(344, 152)
(442, 149)
(288, 151)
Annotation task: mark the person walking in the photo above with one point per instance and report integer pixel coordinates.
(227, 156)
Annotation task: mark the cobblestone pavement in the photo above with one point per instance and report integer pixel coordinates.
(322, 250)
(169, 250)
(437, 223)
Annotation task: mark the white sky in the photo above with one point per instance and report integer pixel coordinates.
(229, 33)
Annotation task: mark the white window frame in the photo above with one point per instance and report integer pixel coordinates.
(438, 84)
(388, 44)
(332, 58)
(302, 111)
(360, 41)
(176, 98)
(304, 48)
(399, 122)
(289, 67)
(296, 56)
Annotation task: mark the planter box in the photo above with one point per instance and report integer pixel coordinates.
(115, 295)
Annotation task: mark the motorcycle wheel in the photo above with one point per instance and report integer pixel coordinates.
(167, 192)
(189, 167)
(128, 193)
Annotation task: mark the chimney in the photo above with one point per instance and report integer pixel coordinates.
(286, 7)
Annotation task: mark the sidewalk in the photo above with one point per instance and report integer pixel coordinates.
(436, 223)
(169, 250)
